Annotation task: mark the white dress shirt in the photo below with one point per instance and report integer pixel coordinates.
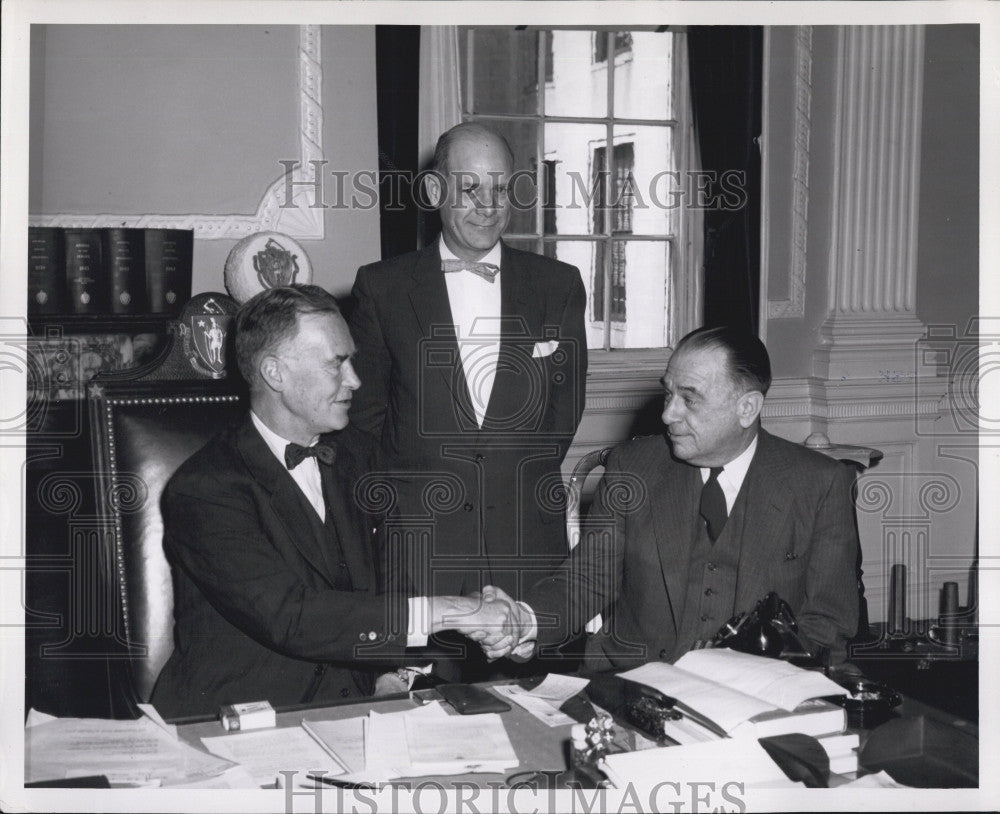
(733, 474)
(475, 309)
(306, 474)
(307, 477)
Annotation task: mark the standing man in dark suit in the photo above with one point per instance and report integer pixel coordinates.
(473, 362)
(688, 529)
(276, 594)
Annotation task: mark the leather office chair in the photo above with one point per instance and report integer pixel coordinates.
(141, 432)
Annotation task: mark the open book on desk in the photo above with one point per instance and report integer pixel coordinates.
(743, 695)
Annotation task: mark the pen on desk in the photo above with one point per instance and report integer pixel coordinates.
(335, 780)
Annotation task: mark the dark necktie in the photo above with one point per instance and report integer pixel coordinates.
(713, 504)
(487, 271)
(296, 454)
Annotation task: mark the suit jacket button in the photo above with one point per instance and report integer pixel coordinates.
(709, 592)
(362, 636)
(343, 565)
(480, 456)
(663, 653)
(468, 507)
(372, 635)
(344, 692)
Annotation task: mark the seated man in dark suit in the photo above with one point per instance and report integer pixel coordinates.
(691, 527)
(276, 593)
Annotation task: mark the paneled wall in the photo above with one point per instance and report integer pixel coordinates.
(870, 155)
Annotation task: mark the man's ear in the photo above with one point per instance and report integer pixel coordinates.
(749, 406)
(434, 188)
(272, 372)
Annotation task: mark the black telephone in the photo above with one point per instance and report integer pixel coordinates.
(769, 629)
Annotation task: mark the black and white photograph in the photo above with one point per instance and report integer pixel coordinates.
(499, 406)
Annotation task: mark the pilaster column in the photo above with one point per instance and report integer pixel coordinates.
(872, 327)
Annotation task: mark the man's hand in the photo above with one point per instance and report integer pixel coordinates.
(520, 648)
(492, 621)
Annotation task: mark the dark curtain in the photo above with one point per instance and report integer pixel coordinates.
(726, 97)
(397, 68)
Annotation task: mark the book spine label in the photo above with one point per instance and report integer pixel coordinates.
(84, 271)
(168, 268)
(46, 270)
(125, 250)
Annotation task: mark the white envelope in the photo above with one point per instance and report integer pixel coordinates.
(543, 349)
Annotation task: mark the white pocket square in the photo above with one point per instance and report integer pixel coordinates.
(543, 349)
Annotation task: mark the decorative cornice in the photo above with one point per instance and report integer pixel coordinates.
(300, 220)
(794, 306)
(817, 399)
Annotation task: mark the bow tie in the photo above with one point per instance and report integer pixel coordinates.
(296, 454)
(488, 271)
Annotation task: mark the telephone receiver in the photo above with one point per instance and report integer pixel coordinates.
(769, 630)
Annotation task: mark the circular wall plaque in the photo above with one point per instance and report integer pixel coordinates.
(265, 260)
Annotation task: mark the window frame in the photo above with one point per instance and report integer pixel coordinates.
(678, 311)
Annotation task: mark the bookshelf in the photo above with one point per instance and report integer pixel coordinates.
(42, 325)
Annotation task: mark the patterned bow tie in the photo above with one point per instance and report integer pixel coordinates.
(296, 454)
(488, 271)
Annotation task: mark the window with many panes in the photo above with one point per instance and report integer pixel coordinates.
(595, 141)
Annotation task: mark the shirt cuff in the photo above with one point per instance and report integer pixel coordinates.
(420, 621)
(532, 632)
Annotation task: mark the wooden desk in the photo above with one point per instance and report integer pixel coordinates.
(545, 749)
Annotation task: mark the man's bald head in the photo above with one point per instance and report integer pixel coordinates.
(474, 133)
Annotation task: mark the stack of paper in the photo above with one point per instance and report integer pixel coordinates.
(344, 740)
(266, 753)
(544, 700)
(414, 743)
(145, 752)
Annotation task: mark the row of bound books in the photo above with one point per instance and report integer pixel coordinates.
(108, 271)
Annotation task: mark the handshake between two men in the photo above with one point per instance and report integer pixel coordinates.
(498, 623)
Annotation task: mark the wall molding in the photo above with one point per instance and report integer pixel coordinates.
(812, 397)
(300, 220)
(794, 306)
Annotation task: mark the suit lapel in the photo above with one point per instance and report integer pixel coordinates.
(286, 498)
(350, 527)
(767, 502)
(429, 299)
(520, 327)
(674, 489)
